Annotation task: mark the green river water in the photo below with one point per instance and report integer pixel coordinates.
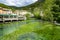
(29, 30)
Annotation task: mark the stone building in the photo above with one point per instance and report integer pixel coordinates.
(5, 11)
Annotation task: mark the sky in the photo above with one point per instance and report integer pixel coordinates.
(17, 3)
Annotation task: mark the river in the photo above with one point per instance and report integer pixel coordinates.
(9, 27)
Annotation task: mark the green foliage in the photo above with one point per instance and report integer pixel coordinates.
(28, 16)
(47, 7)
(4, 6)
(8, 7)
(36, 13)
(50, 8)
(56, 11)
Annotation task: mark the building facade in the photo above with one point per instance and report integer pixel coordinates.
(5, 11)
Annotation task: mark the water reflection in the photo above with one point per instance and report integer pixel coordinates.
(7, 28)
(1, 29)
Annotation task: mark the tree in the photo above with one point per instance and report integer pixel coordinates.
(56, 11)
(47, 7)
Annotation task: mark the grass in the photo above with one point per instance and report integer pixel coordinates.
(42, 30)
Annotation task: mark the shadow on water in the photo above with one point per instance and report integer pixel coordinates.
(30, 36)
